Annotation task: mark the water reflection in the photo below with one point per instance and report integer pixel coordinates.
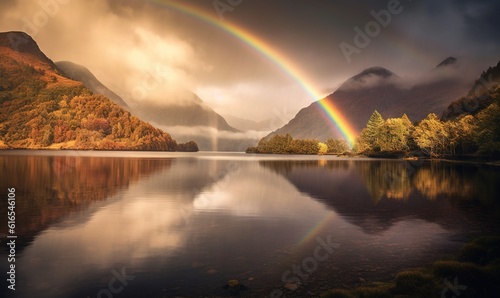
(184, 226)
(375, 194)
(50, 188)
(179, 220)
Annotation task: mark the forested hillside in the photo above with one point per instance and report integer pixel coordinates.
(43, 109)
(479, 96)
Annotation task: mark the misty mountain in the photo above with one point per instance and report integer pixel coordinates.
(190, 118)
(81, 73)
(248, 125)
(41, 108)
(191, 111)
(379, 89)
(447, 61)
(478, 97)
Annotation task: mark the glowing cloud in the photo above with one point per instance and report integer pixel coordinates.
(273, 55)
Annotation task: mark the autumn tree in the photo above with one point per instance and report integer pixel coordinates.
(337, 146)
(393, 135)
(410, 141)
(361, 144)
(285, 144)
(488, 127)
(431, 134)
(322, 148)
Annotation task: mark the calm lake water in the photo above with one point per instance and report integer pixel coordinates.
(107, 224)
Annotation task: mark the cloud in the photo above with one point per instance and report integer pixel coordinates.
(481, 19)
(210, 132)
(144, 50)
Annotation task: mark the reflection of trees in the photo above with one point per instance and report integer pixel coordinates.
(398, 179)
(386, 179)
(50, 187)
(286, 166)
(374, 194)
(435, 180)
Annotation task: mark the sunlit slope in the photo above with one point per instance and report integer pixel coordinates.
(43, 109)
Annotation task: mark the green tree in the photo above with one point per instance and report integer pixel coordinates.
(373, 129)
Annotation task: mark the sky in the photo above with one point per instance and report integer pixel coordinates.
(151, 51)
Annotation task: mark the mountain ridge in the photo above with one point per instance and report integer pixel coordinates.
(478, 96)
(374, 88)
(82, 74)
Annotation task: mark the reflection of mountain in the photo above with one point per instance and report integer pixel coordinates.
(375, 195)
(49, 188)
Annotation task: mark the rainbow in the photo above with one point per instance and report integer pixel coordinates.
(274, 56)
(317, 228)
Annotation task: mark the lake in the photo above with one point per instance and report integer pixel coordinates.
(139, 224)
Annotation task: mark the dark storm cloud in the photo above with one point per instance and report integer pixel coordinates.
(481, 19)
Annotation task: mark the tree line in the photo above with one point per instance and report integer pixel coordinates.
(470, 134)
(285, 144)
(477, 134)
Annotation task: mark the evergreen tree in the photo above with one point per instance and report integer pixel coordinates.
(369, 139)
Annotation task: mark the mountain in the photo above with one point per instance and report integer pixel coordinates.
(478, 97)
(81, 73)
(41, 108)
(249, 125)
(189, 118)
(447, 61)
(378, 89)
(191, 111)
